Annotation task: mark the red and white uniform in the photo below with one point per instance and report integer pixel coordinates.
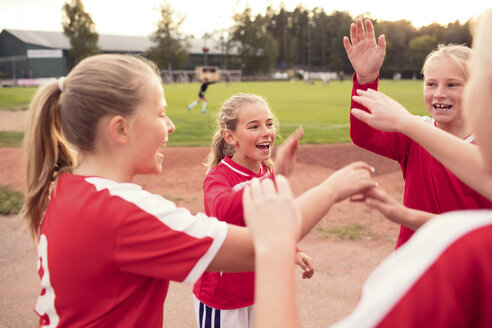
(108, 250)
(223, 189)
(442, 277)
(429, 186)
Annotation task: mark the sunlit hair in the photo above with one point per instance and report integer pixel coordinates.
(62, 122)
(459, 54)
(228, 118)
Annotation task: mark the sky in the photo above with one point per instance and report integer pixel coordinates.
(206, 16)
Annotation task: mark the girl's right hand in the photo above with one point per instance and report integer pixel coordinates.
(365, 55)
(285, 157)
(350, 180)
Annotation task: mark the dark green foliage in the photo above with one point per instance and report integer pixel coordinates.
(11, 200)
(169, 51)
(79, 27)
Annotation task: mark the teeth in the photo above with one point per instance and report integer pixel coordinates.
(442, 107)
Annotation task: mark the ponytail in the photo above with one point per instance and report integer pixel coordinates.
(219, 149)
(46, 153)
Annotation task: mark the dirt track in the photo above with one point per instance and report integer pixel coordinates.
(341, 265)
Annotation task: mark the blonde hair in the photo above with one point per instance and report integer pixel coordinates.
(65, 114)
(227, 118)
(458, 53)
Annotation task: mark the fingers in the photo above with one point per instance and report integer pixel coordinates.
(353, 34)
(369, 29)
(363, 165)
(347, 45)
(361, 115)
(283, 186)
(382, 43)
(360, 30)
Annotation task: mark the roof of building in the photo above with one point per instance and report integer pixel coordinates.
(109, 43)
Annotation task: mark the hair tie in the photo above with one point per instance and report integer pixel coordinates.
(61, 84)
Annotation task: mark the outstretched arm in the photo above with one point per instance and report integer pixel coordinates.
(463, 159)
(352, 179)
(395, 211)
(365, 55)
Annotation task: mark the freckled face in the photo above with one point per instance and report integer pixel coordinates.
(254, 136)
(443, 89)
(150, 128)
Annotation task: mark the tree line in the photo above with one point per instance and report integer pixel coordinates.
(279, 39)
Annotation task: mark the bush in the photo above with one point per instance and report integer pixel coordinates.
(11, 200)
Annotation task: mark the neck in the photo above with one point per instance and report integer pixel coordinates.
(248, 163)
(103, 166)
(456, 128)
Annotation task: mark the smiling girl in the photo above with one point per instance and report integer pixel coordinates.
(430, 188)
(241, 150)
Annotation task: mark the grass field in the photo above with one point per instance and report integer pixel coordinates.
(321, 109)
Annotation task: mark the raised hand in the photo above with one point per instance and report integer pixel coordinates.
(306, 263)
(285, 157)
(271, 213)
(385, 114)
(365, 55)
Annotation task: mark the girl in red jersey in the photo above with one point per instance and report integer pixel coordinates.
(107, 249)
(241, 150)
(430, 188)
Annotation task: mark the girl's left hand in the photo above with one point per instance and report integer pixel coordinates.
(285, 157)
(385, 114)
(306, 263)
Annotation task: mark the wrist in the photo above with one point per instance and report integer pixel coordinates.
(330, 191)
(371, 78)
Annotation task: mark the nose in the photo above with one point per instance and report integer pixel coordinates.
(170, 125)
(440, 92)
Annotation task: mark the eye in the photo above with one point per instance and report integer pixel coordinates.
(430, 84)
(452, 85)
(270, 124)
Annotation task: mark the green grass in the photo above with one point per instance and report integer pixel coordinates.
(11, 200)
(323, 110)
(16, 98)
(11, 138)
(353, 231)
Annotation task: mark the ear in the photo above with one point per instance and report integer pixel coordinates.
(118, 129)
(229, 137)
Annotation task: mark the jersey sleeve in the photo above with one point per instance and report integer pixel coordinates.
(389, 144)
(222, 201)
(442, 277)
(161, 240)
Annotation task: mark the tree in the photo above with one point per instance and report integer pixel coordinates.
(170, 49)
(79, 27)
(258, 49)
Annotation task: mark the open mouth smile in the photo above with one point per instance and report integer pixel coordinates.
(442, 107)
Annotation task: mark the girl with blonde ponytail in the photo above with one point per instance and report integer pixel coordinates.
(241, 150)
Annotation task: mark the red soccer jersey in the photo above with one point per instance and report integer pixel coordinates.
(223, 189)
(108, 250)
(440, 278)
(429, 186)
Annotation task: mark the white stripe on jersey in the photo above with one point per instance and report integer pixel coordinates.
(234, 169)
(176, 218)
(391, 280)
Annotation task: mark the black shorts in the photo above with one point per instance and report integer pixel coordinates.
(201, 94)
